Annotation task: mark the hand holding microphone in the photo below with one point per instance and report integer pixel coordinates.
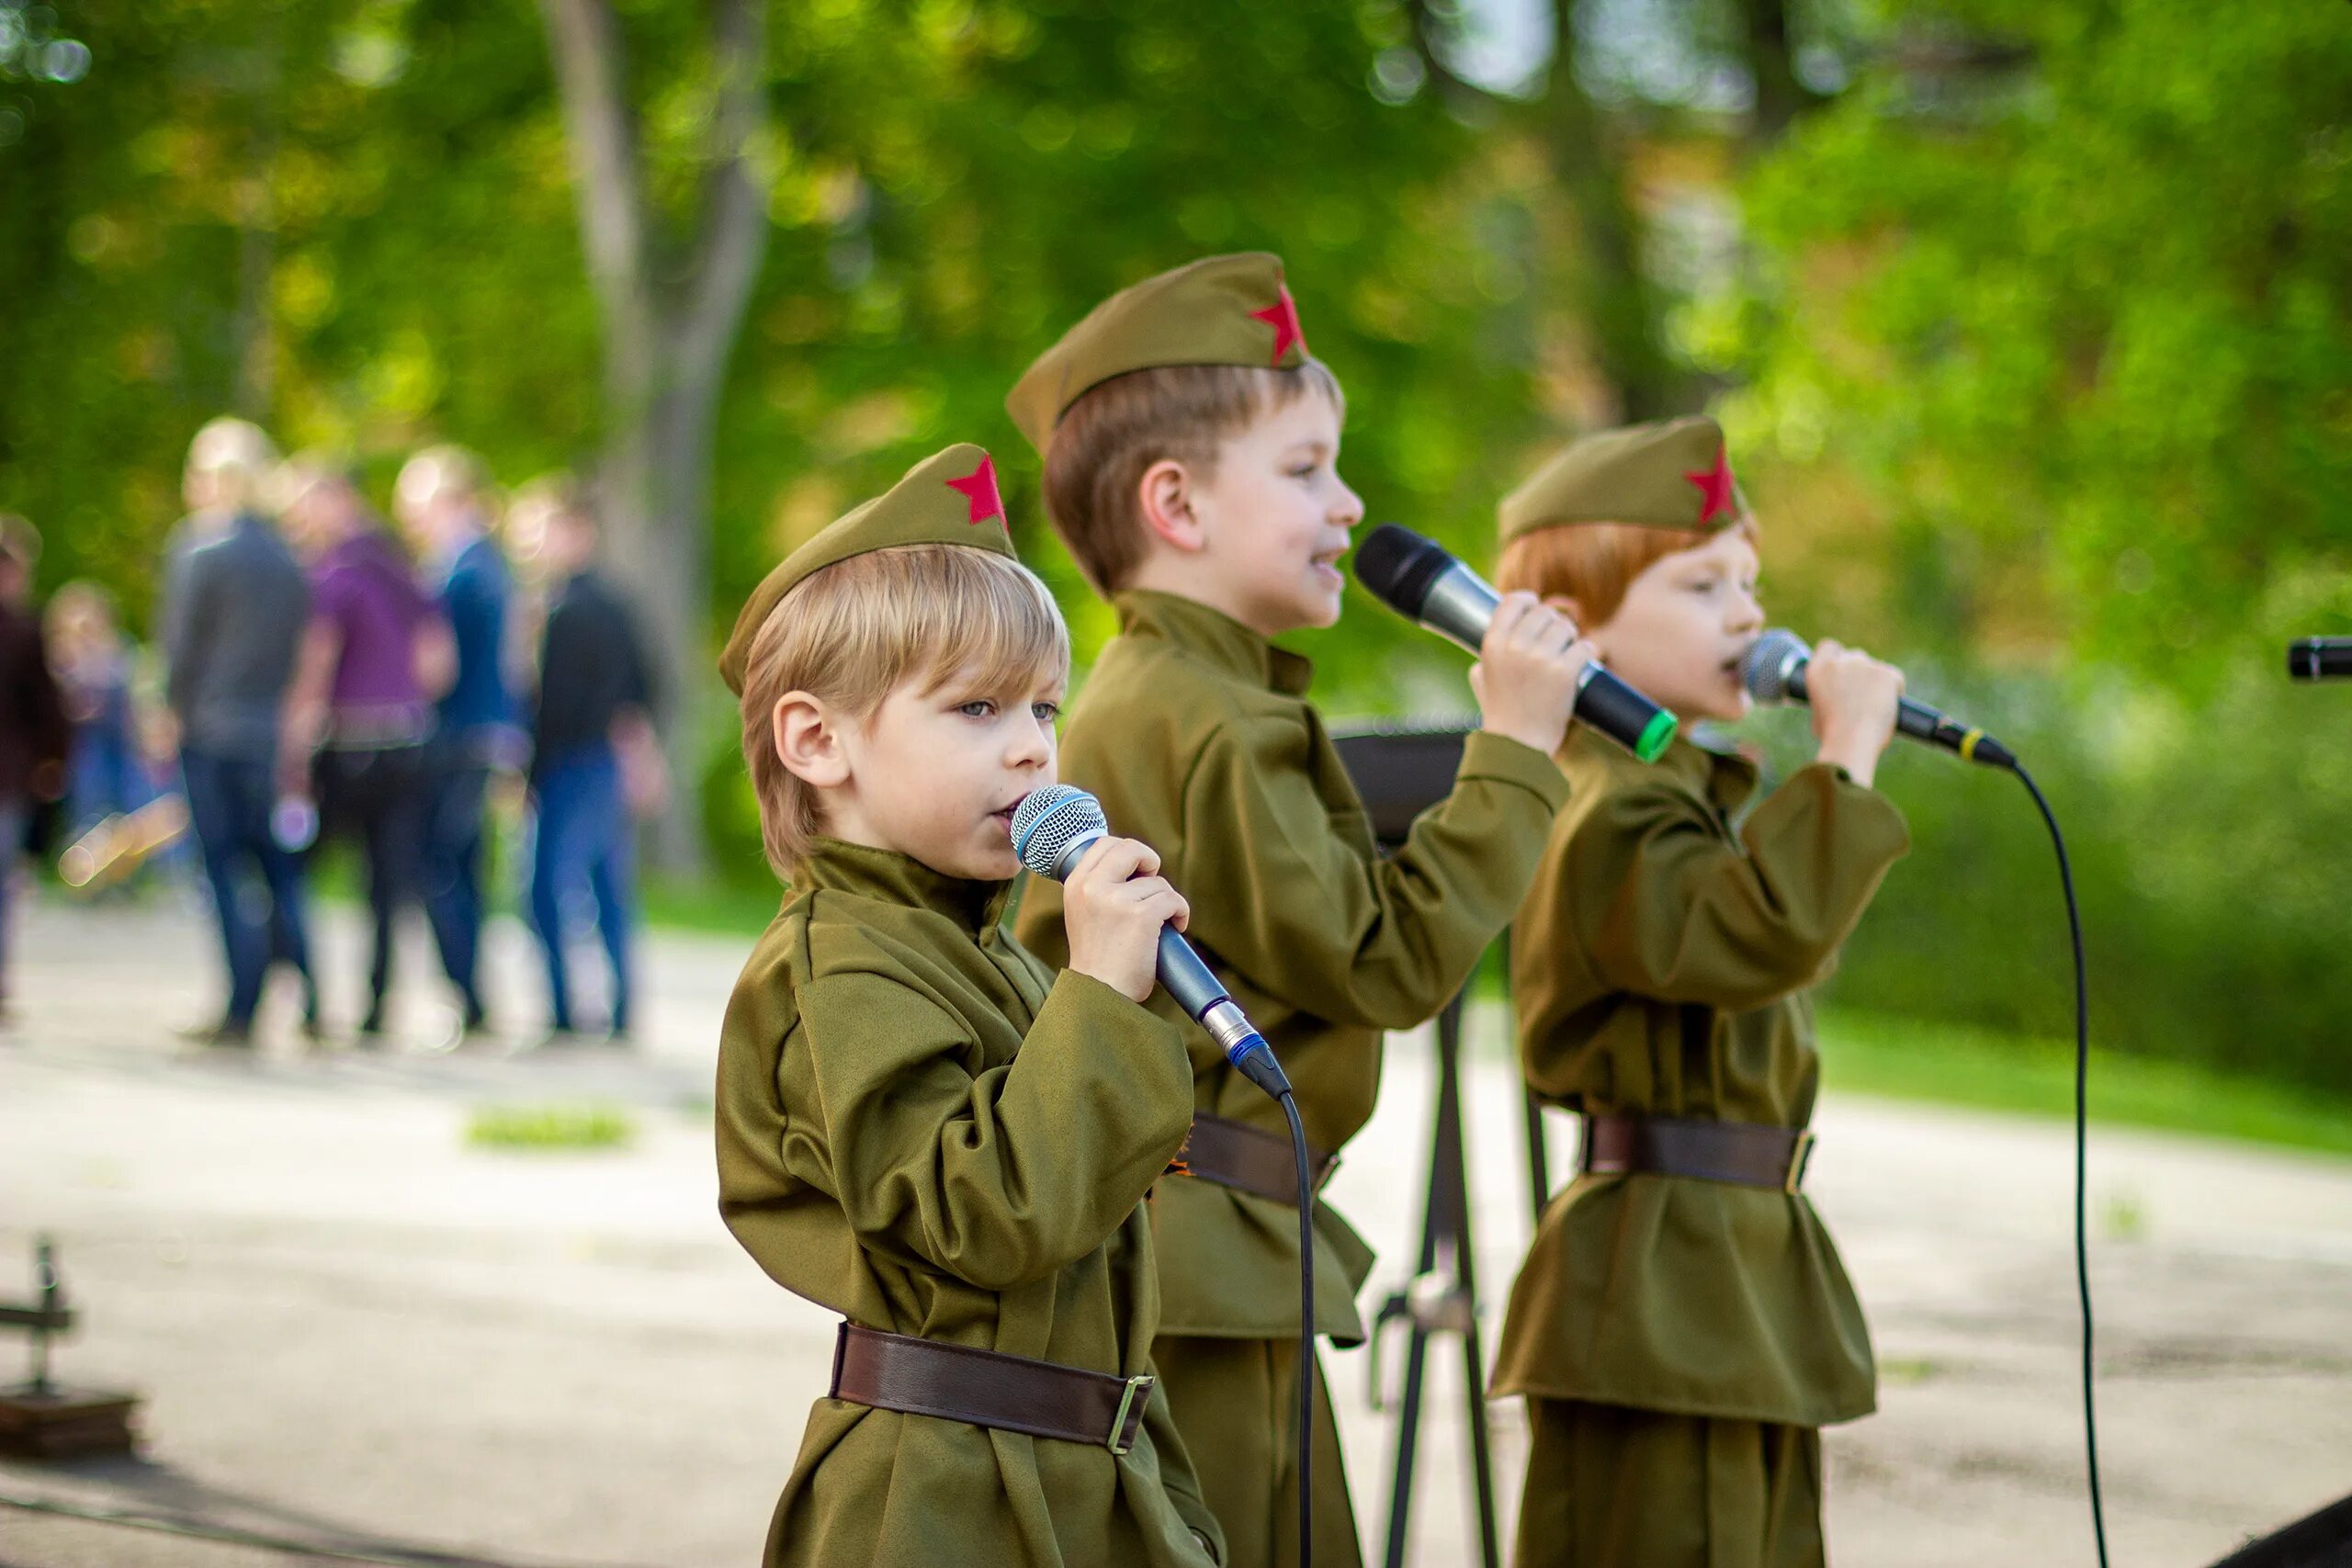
(1060, 834)
(1848, 691)
(1531, 666)
(1423, 583)
(1115, 904)
(1854, 699)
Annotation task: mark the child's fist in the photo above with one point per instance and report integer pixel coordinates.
(1528, 668)
(1113, 907)
(1853, 698)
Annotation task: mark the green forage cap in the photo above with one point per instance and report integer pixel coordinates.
(1224, 310)
(949, 498)
(1672, 474)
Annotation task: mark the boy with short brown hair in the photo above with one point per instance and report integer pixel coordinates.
(1682, 1326)
(919, 1125)
(1191, 448)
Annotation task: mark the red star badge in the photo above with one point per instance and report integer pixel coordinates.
(979, 487)
(1714, 489)
(1282, 316)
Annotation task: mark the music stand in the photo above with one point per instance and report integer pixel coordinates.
(1401, 773)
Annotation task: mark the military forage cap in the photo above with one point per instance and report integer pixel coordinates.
(1225, 310)
(949, 498)
(1669, 475)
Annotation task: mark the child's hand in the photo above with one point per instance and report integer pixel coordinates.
(1114, 906)
(1528, 667)
(1853, 698)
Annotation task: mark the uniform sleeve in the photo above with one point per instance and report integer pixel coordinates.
(1003, 1177)
(1666, 909)
(1380, 944)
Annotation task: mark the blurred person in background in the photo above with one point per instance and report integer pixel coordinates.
(104, 773)
(442, 501)
(33, 730)
(595, 764)
(373, 658)
(235, 609)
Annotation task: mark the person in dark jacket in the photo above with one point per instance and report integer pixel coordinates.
(592, 740)
(234, 606)
(33, 730)
(442, 499)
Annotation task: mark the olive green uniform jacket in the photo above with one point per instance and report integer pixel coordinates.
(1196, 735)
(1659, 968)
(923, 1130)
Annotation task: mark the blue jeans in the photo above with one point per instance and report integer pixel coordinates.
(449, 868)
(584, 850)
(257, 885)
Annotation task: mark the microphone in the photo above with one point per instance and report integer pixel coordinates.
(1422, 581)
(1773, 670)
(1052, 829)
(2320, 659)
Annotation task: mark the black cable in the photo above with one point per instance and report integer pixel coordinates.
(1305, 1420)
(2082, 1147)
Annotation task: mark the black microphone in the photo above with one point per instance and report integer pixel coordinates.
(2320, 659)
(1773, 668)
(1422, 581)
(1052, 829)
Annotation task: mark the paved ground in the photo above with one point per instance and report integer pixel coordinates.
(355, 1331)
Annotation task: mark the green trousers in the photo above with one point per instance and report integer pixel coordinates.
(1611, 1487)
(1235, 1403)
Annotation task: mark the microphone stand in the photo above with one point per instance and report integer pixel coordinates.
(1400, 772)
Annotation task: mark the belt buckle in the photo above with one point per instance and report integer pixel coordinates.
(1131, 1402)
(1799, 1157)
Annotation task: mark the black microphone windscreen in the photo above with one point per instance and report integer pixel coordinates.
(1399, 567)
(1048, 820)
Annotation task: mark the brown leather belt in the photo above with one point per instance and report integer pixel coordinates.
(1236, 1154)
(987, 1388)
(1744, 1153)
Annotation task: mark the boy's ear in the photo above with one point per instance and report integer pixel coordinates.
(808, 742)
(1164, 496)
(1567, 604)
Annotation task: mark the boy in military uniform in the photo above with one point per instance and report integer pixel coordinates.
(1682, 1327)
(919, 1125)
(1191, 447)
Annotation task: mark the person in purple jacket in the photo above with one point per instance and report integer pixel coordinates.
(374, 657)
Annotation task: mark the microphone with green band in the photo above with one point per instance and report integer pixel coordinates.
(1422, 581)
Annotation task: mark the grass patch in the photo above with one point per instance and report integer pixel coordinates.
(717, 907)
(1951, 1064)
(540, 1128)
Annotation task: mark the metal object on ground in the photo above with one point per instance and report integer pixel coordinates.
(42, 1418)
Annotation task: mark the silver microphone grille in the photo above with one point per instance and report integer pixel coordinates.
(1769, 661)
(1048, 820)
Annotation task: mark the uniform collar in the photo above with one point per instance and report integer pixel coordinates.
(890, 877)
(1214, 637)
(1723, 778)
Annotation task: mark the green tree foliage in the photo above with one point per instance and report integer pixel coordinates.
(2065, 288)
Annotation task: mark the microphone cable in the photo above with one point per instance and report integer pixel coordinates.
(2082, 1142)
(1304, 1419)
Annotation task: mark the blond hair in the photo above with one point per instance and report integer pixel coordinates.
(1595, 563)
(446, 469)
(237, 458)
(852, 632)
(1112, 434)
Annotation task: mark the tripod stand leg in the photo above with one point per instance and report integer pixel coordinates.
(1446, 1262)
(1408, 1431)
(1539, 1159)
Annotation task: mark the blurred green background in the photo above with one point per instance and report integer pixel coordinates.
(2031, 323)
